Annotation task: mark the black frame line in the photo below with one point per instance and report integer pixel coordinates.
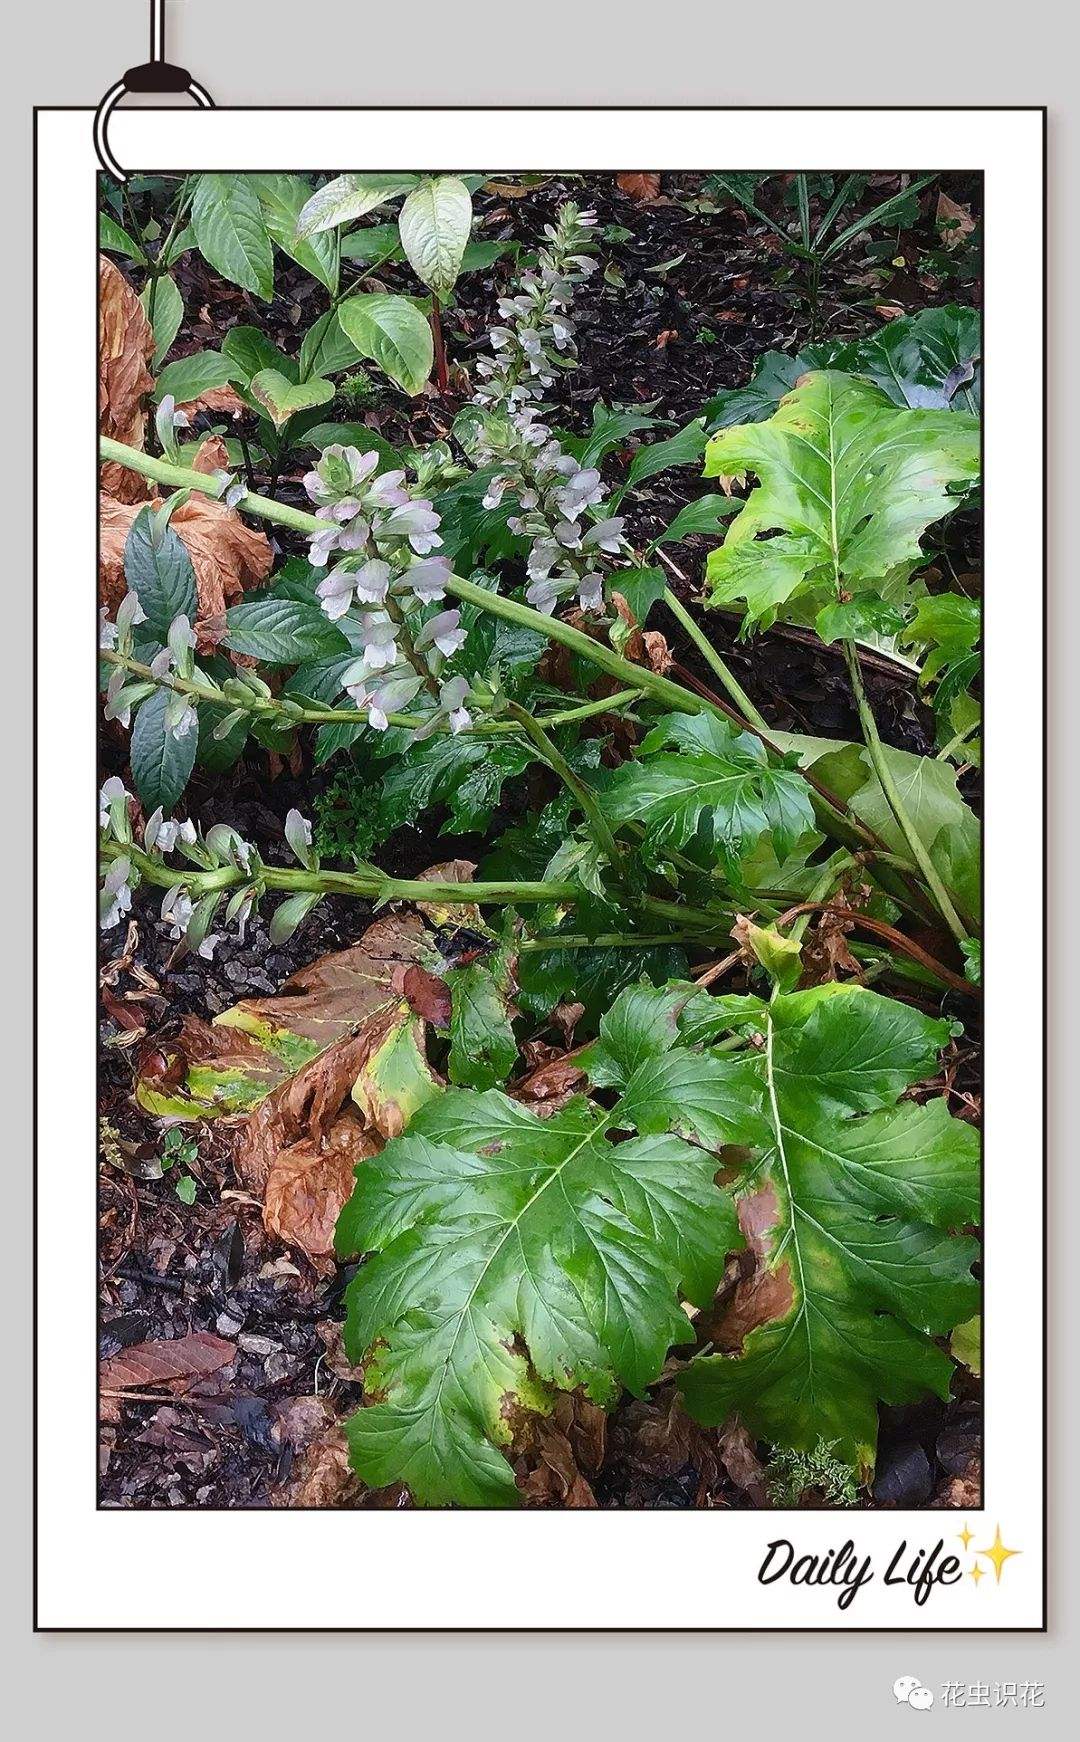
(900, 1513)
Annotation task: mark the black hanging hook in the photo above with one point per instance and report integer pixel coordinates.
(155, 76)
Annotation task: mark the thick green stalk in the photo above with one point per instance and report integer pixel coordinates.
(365, 885)
(896, 804)
(587, 800)
(714, 662)
(301, 716)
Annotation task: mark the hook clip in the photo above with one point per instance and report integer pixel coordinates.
(157, 76)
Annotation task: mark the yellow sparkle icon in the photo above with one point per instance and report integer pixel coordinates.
(977, 1574)
(966, 1535)
(998, 1553)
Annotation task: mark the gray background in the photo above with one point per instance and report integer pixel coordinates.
(464, 51)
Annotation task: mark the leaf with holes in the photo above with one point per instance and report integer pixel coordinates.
(847, 485)
(851, 1202)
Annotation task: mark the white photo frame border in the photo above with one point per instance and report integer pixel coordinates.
(143, 1569)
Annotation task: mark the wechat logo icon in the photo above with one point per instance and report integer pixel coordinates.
(908, 1690)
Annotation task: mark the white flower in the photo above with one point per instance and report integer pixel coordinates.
(129, 613)
(209, 944)
(371, 582)
(387, 695)
(494, 493)
(606, 535)
(113, 709)
(176, 910)
(159, 836)
(591, 591)
(416, 521)
(379, 634)
(298, 836)
(187, 832)
(444, 631)
(113, 788)
(115, 899)
(387, 491)
(336, 592)
(427, 579)
(107, 631)
(542, 594)
(451, 699)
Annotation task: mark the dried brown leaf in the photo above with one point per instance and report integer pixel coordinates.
(309, 1183)
(954, 222)
(165, 1359)
(227, 557)
(125, 348)
(640, 184)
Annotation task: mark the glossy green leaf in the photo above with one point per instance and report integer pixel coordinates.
(483, 1050)
(348, 197)
(231, 231)
(855, 1198)
(513, 1256)
(168, 313)
(282, 198)
(281, 398)
(158, 568)
(161, 764)
(282, 632)
(434, 224)
(847, 485)
(697, 776)
(188, 377)
(392, 332)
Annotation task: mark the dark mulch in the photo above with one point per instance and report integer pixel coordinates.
(664, 339)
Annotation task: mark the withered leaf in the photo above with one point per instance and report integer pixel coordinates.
(308, 1183)
(163, 1359)
(125, 348)
(227, 556)
(640, 184)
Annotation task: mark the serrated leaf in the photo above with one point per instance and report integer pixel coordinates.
(161, 764)
(348, 197)
(281, 397)
(434, 225)
(483, 1050)
(391, 331)
(159, 570)
(847, 484)
(853, 1200)
(716, 785)
(496, 1232)
(282, 632)
(282, 198)
(231, 232)
(463, 772)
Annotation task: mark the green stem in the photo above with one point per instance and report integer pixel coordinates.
(350, 716)
(896, 804)
(605, 940)
(587, 799)
(714, 662)
(368, 886)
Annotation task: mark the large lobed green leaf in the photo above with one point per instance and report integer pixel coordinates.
(851, 1199)
(847, 485)
(697, 777)
(514, 1255)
